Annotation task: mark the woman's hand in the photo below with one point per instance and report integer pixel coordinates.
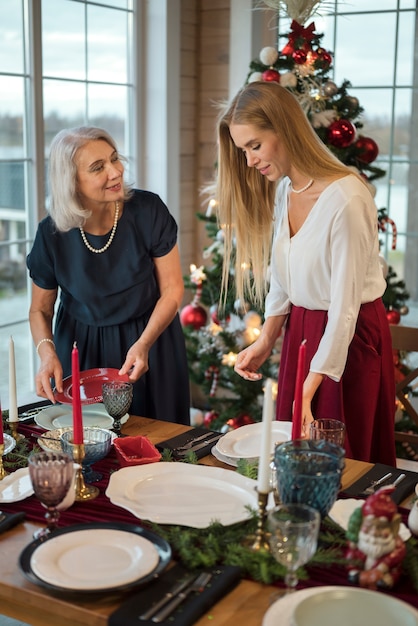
(50, 367)
(251, 359)
(136, 362)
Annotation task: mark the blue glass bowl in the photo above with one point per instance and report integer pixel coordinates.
(97, 442)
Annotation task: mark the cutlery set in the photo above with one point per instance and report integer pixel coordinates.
(375, 484)
(165, 607)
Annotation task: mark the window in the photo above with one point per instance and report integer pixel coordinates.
(62, 63)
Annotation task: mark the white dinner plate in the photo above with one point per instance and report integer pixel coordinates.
(223, 458)
(342, 510)
(183, 493)
(245, 442)
(283, 610)
(94, 559)
(16, 486)
(61, 416)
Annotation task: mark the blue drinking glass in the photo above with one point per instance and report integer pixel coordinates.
(309, 472)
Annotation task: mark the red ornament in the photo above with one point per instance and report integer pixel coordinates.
(271, 76)
(193, 315)
(210, 416)
(393, 316)
(341, 133)
(299, 57)
(367, 149)
(240, 420)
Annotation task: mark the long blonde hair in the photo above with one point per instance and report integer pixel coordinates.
(245, 197)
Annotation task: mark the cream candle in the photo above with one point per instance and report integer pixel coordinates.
(13, 416)
(1, 426)
(77, 414)
(263, 483)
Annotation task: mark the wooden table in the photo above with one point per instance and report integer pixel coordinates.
(21, 599)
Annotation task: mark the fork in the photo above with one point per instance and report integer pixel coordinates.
(190, 444)
(373, 486)
(198, 584)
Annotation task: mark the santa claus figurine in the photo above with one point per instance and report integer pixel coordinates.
(375, 551)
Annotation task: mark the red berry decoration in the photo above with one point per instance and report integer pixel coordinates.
(367, 149)
(271, 76)
(193, 315)
(299, 57)
(210, 416)
(393, 316)
(341, 133)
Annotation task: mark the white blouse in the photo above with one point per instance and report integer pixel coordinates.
(330, 264)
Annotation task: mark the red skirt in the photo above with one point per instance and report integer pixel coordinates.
(364, 398)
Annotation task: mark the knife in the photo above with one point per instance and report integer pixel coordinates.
(175, 589)
(199, 446)
(198, 584)
(192, 442)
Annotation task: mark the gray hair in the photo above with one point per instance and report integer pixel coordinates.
(64, 204)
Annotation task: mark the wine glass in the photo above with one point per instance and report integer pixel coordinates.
(117, 398)
(51, 474)
(293, 535)
(329, 429)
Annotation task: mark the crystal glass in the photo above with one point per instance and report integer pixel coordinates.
(97, 442)
(293, 536)
(309, 472)
(51, 474)
(328, 429)
(117, 398)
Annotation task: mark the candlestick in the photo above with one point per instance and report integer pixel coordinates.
(77, 414)
(82, 491)
(265, 446)
(3, 472)
(297, 404)
(13, 417)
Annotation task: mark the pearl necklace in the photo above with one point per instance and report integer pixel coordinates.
(109, 241)
(305, 188)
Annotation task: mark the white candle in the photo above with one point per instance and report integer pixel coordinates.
(264, 462)
(12, 383)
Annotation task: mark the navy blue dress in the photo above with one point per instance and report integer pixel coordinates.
(107, 299)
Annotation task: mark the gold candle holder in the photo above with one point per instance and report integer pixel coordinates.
(13, 428)
(82, 491)
(3, 472)
(259, 541)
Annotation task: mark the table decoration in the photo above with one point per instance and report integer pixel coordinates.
(297, 403)
(76, 402)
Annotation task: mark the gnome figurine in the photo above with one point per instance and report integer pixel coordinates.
(375, 550)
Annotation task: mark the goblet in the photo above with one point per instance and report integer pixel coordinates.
(117, 398)
(97, 442)
(329, 429)
(293, 537)
(51, 474)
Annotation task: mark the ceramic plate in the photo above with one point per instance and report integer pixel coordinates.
(95, 558)
(342, 509)
(9, 443)
(346, 606)
(16, 486)
(183, 493)
(223, 458)
(90, 385)
(283, 611)
(61, 416)
(245, 442)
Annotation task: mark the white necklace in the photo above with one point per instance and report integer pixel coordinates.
(109, 241)
(309, 184)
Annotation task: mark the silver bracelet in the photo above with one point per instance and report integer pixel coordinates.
(45, 340)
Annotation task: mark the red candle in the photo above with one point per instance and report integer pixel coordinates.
(1, 427)
(297, 404)
(77, 414)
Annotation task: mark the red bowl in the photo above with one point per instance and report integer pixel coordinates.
(135, 451)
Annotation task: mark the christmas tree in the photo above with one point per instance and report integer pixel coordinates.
(303, 66)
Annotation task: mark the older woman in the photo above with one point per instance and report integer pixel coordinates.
(326, 279)
(111, 253)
